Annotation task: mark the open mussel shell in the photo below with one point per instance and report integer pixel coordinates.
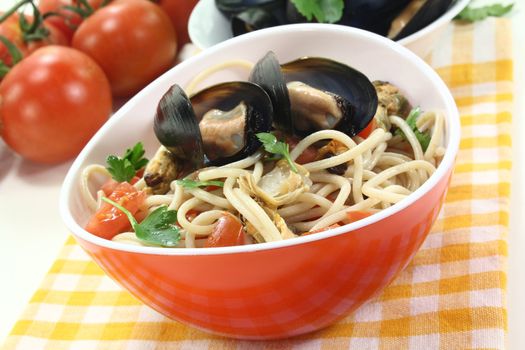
(177, 129)
(353, 92)
(217, 111)
(418, 14)
(267, 74)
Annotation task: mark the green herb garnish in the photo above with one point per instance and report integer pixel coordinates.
(422, 137)
(157, 228)
(188, 183)
(123, 169)
(271, 145)
(324, 11)
(473, 14)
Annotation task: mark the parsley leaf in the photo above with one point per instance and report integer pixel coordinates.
(120, 169)
(188, 183)
(324, 11)
(473, 14)
(136, 156)
(157, 228)
(123, 169)
(422, 137)
(271, 145)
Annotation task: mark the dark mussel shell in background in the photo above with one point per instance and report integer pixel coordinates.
(352, 86)
(250, 15)
(177, 129)
(372, 15)
(232, 7)
(253, 19)
(427, 13)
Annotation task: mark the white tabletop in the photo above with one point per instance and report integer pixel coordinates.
(32, 233)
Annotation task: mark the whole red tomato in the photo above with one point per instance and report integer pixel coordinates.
(66, 20)
(179, 12)
(132, 40)
(52, 102)
(10, 29)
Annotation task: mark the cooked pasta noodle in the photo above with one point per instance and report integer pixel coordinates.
(379, 171)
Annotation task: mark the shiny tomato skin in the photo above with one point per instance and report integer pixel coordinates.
(67, 21)
(179, 12)
(52, 102)
(10, 29)
(132, 40)
(368, 130)
(109, 221)
(228, 232)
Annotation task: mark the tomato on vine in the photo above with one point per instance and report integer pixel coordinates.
(179, 12)
(21, 34)
(132, 40)
(52, 103)
(66, 15)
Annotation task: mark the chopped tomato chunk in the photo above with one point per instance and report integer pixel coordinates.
(368, 130)
(356, 215)
(109, 186)
(227, 232)
(109, 221)
(309, 154)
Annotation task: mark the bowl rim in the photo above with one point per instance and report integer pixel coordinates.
(447, 163)
(451, 12)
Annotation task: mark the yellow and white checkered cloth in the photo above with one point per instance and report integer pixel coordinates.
(452, 295)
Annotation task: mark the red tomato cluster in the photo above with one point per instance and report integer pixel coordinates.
(60, 93)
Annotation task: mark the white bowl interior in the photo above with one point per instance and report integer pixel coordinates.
(375, 56)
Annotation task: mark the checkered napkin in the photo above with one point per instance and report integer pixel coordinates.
(451, 296)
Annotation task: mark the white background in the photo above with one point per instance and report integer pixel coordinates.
(32, 233)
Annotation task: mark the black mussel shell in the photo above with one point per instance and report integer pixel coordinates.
(177, 129)
(372, 15)
(227, 96)
(429, 12)
(341, 80)
(267, 74)
(253, 19)
(233, 7)
(356, 94)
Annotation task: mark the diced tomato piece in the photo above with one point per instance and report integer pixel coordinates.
(192, 214)
(368, 130)
(320, 229)
(309, 154)
(356, 215)
(227, 232)
(111, 184)
(109, 221)
(211, 188)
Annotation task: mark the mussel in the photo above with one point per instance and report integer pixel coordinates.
(395, 19)
(314, 93)
(215, 126)
(417, 15)
(249, 15)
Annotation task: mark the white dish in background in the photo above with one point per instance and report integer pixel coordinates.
(207, 26)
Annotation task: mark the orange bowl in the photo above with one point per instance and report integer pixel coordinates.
(278, 289)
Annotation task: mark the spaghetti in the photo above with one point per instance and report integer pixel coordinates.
(377, 176)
